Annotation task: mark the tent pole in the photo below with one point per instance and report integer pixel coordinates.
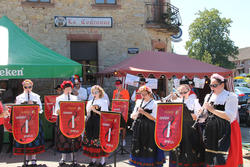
(167, 91)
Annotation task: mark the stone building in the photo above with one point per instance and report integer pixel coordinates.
(96, 33)
(242, 61)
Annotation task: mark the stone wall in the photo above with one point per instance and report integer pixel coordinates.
(128, 29)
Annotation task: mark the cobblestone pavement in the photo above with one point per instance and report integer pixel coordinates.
(50, 158)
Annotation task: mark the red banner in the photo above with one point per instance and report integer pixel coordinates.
(168, 126)
(121, 106)
(49, 108)
(109, 131)
(25, 123)
(72, 118)
(7, 120)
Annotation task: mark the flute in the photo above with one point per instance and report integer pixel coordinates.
(202, 113)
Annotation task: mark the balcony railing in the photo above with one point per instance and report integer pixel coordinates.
(163, 17)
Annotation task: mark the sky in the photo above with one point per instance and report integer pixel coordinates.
(237, 10)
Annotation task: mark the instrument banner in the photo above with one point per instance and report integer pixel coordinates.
(121, 106)
(109, 131)
(7, 120)
(25, 123)
(168, 126)
(49, 108)
(72, 118)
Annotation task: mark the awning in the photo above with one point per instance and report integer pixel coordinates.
(164, 64)
(27, 58)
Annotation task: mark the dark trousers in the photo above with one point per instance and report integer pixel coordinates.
(1, 137)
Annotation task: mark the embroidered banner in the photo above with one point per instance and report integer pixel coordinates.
(109, 131)
(25, 121)
(49, 108)
(72, 118)
(121, 106)
(168, 126)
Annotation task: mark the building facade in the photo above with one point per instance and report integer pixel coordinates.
(242, 62)
(96, 33)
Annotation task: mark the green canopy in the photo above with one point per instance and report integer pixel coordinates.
(28, 58)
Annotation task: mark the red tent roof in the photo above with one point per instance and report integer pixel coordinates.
(162, 63)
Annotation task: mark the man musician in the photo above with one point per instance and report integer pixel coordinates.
(121, 93)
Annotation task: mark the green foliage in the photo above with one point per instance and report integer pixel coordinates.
(209, 39)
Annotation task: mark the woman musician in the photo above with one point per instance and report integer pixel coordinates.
(144, 151)
(37, 146)
(190, 152)
(63, 143)
(222, 137)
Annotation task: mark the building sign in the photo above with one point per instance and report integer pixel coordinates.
(74, 21)
(133, 50)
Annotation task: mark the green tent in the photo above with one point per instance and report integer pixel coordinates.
(27, 58)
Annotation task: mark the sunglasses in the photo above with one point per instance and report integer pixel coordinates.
(95, 93)
(183, 93)
(144, 94)
(27, 87)
(214, 85)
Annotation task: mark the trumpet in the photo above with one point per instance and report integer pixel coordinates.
(169, 97)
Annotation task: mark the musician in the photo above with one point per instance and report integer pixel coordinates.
(64, 144)
(190, 151)
(144, 151)
(121, 93)
(91, 140)
(37, 146)
(222, 137)
(79, 91)
(135, 96)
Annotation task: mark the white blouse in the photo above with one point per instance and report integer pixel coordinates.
(100, 102)
(229, 99)
(63, 97)
(191, 102)
(33, 97)
(151, 106)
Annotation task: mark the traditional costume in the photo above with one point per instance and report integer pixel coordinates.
(37, 146)
(91, 141)
(190, 152)
(144, 150)
(222, 138)
(63, 143)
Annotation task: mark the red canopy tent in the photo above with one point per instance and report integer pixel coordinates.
(162, 63)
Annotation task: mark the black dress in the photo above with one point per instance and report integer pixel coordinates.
(190, 152)
(217, 138)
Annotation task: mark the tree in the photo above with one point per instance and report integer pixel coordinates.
(209, 39)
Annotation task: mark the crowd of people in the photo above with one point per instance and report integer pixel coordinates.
(215, 140)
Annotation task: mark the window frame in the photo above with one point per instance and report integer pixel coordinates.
(106, 3)
(38, 1)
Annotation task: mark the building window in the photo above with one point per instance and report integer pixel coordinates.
(47, 1)
(105, 1)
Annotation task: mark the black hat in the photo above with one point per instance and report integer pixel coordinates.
(184, 81)
(143, 80)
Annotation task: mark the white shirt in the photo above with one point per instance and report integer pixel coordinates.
(133, 95)
(151, 106)
(100, 102)
(33, 97)
(229, 99)
(191, 102)
(82, 94)
(63, 97)
(105, 97)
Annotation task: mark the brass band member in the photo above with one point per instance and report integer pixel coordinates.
(64, 144)
(144, 151)
(222, 135)
(37, 146)
(91, 140)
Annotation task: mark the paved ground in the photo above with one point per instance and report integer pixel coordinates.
(50, 158)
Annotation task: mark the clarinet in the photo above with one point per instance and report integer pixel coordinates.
(202, 113)
(68, 97)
